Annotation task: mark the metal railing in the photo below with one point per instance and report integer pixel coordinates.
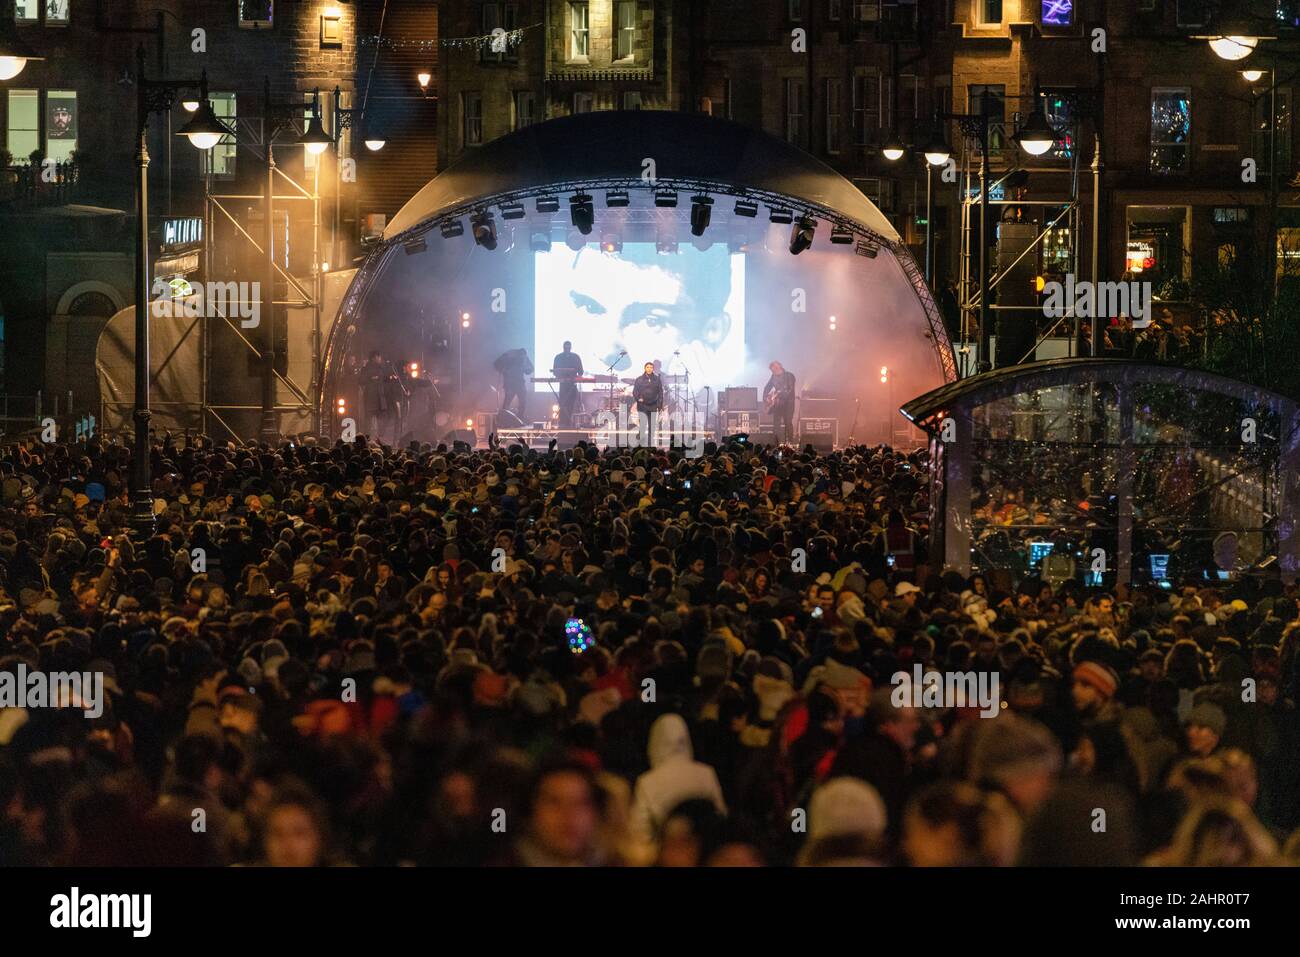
(33, 185)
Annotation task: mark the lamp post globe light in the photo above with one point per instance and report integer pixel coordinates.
(1233, 47)
(1036, 137)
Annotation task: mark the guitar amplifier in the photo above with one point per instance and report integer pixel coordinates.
(821, 433)
(733, 422)
(739, 399)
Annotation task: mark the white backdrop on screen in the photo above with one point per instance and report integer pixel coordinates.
(646, 303)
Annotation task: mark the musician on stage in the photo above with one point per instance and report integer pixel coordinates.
(567, 366)
(778, 396)
(514, 366)
(648, 394)
(376, 404)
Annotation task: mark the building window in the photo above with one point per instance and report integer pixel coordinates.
(990, 98)
(867, 99)
(56, 11)
(866, 11)
(584, 102)
(1192, 13)
(1058, 106)
(1057, 13)
(256, 14)
(794, 111)
(794, 9)
(221, 158)
(498, 16)
(725, 110)
(833, 10)
(833, 91)
(1157, 240)
(1267, 138)
(632, 100)
(1231, 215)
(990, 12)
(909, 104)
(27, 11)
(1146, 6)
(625, 23)
(1171, 129)
(23, 133)
(879, 191)
(525, 107)
(60, 124)
(579, 31)
(471, 106)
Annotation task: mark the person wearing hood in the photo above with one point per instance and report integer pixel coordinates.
(674, 776)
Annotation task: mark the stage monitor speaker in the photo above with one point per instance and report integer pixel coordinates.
(739, 421)
(821, 433)
(739, 399)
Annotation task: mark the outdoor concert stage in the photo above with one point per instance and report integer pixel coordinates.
(694, 243)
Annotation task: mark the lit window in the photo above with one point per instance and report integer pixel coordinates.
(990, 12)
(579, 31)
(221, 158)
(1059, 109)
(256, 14)
(27, 11)
(23, 133)
(625, 18)
(56, 12)
(1171, 129)
(1057, 13)
(60, 124)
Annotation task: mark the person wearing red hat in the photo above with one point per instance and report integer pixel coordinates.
(1094, 688)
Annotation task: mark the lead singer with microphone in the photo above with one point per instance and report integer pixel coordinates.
(648, 394)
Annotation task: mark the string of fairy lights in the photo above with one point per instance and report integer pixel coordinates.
(494, 40)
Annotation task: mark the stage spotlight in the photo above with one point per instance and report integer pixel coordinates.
(841, 236)
(539, 242)
(414, 370)
(452, 227)
(548, 204)
(611, 243)
(832, 323)
(617, 198)
(666, 198)
(415, 246)
(801, 235)
(513, 211)
(575, 240)
(780, 216)
(582, 212)
(746, 208)
(867, 249)
(701, 213)
(485, 229)
(341, 406)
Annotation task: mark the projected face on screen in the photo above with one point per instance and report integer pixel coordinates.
(647, 304)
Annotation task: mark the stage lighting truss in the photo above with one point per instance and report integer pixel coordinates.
(701, 213)
(582, 212)
(618, 194)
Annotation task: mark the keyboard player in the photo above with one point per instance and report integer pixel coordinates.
(567, 367)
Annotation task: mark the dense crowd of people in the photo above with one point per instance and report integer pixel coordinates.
(354, 654)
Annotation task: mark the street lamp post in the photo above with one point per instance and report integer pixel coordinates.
(204, 131)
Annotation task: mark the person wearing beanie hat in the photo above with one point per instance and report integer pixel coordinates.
(846, 823)
(1204, 727)
(1093, 688)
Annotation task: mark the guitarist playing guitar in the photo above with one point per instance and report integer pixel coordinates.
(778, 398)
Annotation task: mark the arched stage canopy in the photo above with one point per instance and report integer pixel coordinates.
(428, 267)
